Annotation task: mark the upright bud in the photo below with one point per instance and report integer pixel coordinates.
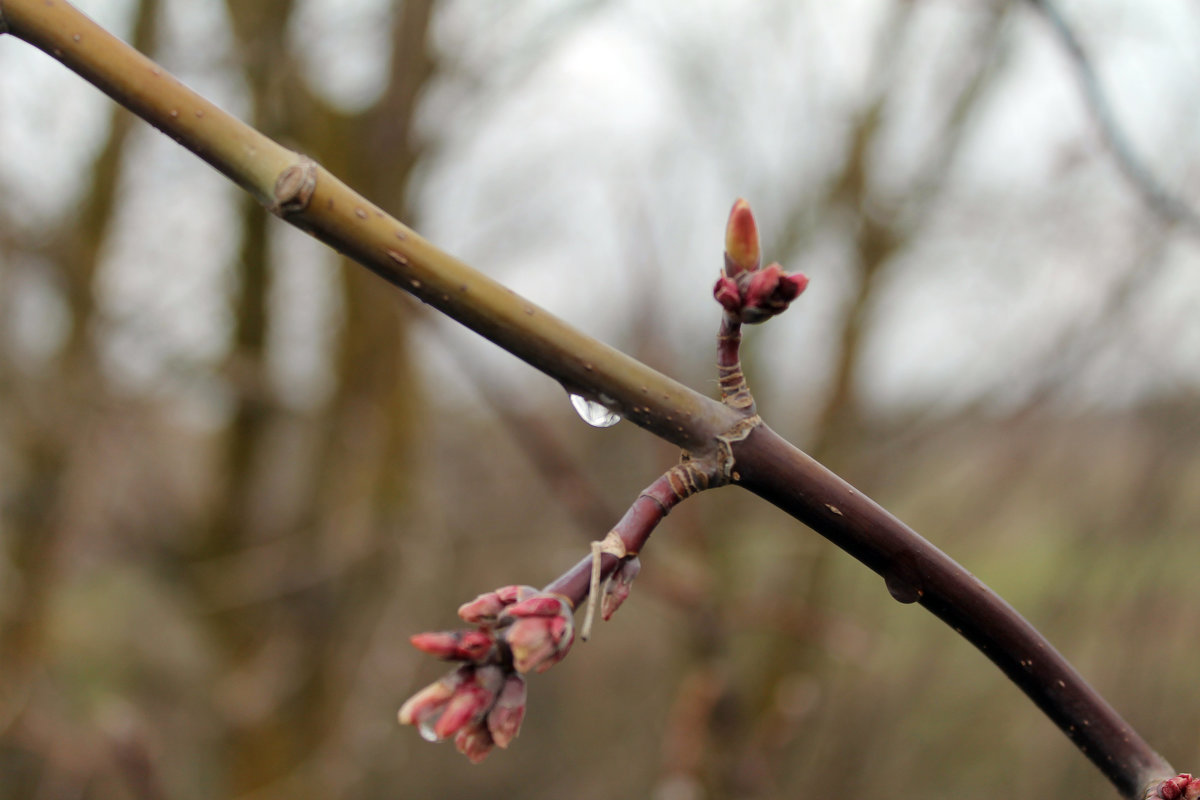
(741, 241)
(747, 293)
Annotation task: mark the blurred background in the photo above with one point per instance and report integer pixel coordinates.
(236, 474)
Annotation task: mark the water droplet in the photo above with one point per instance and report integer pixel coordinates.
(425, 728)
(594, 413)
(901, 591)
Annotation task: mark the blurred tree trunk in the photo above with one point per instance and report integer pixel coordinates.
(49, 417)
(361, 461)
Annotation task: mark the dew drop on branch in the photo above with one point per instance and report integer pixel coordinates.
(593, 413)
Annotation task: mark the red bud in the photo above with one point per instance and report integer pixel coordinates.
(541, 605)
(727, 294)
(769, 292)
(474, 742)
(455, 645)
(618, 588)
(538, 643)
(504, 720)
(487, 607)
(1173, 788)
(430, 701)
(741, 240)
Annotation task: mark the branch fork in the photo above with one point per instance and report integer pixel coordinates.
(472, 704)
(520, 629)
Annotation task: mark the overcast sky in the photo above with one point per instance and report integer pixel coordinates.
(580, 152)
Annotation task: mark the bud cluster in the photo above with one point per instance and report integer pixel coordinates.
(482, 702)
(750, 294)
(1182, 787)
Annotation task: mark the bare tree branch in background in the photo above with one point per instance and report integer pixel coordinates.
(1158, 197)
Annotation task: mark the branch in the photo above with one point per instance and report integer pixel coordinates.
(314, 200)
(719, 435)
(1160, 200)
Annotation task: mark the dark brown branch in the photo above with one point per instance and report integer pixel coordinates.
(916, 571)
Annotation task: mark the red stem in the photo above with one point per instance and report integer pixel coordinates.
(734, 391)
(651, 506)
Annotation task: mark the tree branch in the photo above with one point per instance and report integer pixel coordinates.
(314, 200)
(916, 571)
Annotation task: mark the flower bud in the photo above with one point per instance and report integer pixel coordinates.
(471, 701)
(1192, 790)
(540, 605)
(542, 633)
(1174, 788)
(504, 720)
(769, 292)
(427, 704)
(474, 646)
(741, 241)
(487, 607)
(474, 742)
(727, 294)
(747, 293)
(619, 586)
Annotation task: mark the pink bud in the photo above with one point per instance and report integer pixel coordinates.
(474, 742)
(471, 701)
(430, 701)
(486, 608)
(741, 240)
(504, 720)
(726, 293)
(1192, 790)
(512, 593)
(538, 643)
(769, 292)
(619, 586)
(1173, 788)
(540, 605)
(455, 645)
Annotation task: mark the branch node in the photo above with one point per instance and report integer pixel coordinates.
(294, 188)
(725, 445)
(735, 392)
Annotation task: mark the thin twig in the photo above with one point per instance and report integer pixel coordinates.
(1160, 200)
